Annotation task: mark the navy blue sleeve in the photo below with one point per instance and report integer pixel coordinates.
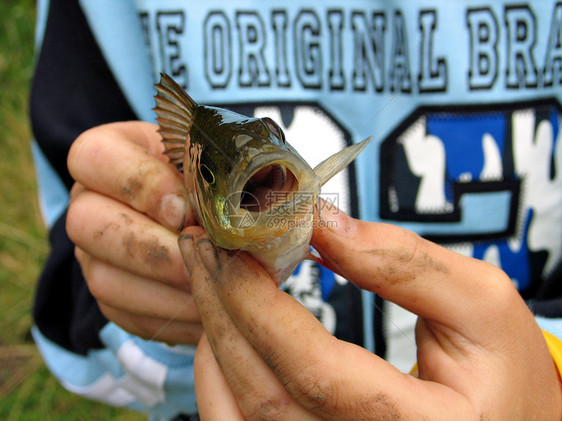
(72, 91)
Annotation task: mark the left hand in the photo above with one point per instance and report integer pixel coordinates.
(126, 209)
(481, 355)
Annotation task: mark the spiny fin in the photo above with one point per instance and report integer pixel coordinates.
(176, 112)
(338, 161)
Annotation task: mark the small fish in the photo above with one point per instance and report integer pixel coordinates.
(251, 189)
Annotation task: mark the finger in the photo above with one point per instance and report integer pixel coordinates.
(464, 332)
(76, 190)
(124, 161)
(126, 239)
(421, 276)
(135, 294)
(258, 392)
(215, 400)
(332, 379)
(153, 329)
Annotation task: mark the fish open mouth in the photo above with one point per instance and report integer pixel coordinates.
(267, 187)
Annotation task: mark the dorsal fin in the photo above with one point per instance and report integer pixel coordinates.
(176, 111)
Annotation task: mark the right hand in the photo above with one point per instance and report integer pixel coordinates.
(126, 210)
(481, 354)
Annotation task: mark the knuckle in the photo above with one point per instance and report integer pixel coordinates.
(494, 278)
(80, 255)
(501, 289)
(316, 392)
(498, 275)
(138, 327)
(315, 395)
(133, 324)
(192, 333)
(75, 218)
(76, 152)
(271, 407)
(495, 292)
(98, 280)
(111, 314)
(96, 284)
(76, 190)
(86, 147)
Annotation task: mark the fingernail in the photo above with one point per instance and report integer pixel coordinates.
(209, 256)
(172, 211)
(336, 220)
(187, 251)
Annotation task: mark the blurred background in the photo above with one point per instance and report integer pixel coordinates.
(27, 389)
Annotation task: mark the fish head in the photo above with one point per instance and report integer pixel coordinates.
(245, 178)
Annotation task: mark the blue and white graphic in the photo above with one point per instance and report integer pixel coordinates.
(491, 176)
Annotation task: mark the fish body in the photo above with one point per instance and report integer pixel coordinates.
(251, 189)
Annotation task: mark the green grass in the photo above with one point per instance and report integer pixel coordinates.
(27, 390)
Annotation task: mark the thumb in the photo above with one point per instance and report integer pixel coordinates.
(402, 267)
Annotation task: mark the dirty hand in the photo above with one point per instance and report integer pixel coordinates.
(126, 209)
(481, 356)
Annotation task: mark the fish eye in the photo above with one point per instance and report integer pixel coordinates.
(275, 129)
(207, 174)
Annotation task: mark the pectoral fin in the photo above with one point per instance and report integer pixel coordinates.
(338, 161)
